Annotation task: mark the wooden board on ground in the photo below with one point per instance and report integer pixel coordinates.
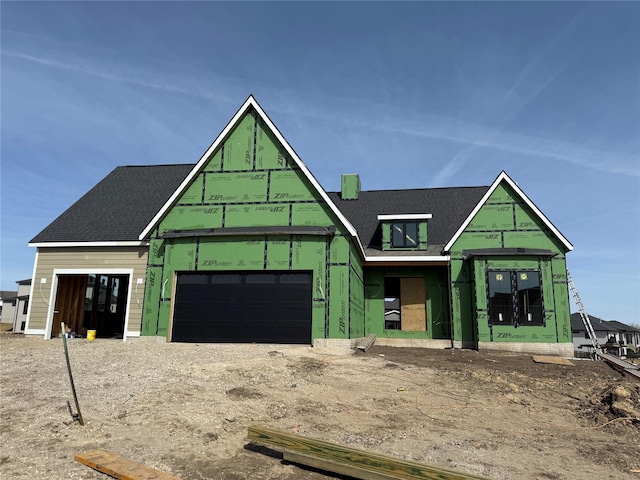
(551, 359)
(349, 461)
(366, 342)
(120, 467)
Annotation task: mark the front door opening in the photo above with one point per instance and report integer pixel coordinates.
(404, 304)
(91, 302)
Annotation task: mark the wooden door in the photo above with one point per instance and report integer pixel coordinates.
(69, 306)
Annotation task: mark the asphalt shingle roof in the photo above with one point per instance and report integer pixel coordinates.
(119, 207)
(600, 325)
(449, 207)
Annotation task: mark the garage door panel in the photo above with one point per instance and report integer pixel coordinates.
(271, 307)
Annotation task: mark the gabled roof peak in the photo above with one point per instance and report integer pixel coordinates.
(250, 103)
(503, 177)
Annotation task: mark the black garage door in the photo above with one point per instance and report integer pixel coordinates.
(261, 307)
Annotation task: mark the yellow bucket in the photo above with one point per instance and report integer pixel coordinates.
(91, 334)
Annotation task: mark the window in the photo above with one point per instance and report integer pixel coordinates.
(515, 298)
(392, 303)
(25, 307)
(404, 235)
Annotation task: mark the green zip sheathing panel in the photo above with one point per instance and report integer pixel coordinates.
(356, 295)
(251, 181)
(436, 306)
(350, 183)
(506, 221)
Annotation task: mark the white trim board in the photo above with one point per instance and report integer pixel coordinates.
(406, 216)
(133, 243)
(249, 103)
(31, 290)
(429, 258)
(503, 176)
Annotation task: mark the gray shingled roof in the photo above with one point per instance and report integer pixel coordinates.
(598, 324)
(449, 208)
(119, 207)
(623, 327)
(8, 295)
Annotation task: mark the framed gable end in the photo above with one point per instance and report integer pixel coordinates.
(490, 203)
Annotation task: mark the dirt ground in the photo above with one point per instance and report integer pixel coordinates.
(185, 409)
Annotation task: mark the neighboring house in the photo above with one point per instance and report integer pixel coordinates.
(7, 300)
(246, 246)
(15, 309)
(605, 330)
(629, 335)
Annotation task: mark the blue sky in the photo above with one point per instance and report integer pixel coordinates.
(408, 95)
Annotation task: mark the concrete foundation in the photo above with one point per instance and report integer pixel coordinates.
(564, 350)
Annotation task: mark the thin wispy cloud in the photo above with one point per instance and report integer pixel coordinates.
(132, 77)
(469, 135)
(477, 136)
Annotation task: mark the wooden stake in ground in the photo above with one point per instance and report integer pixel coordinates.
(77, 416)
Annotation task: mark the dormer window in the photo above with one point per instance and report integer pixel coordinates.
(404, 234)
(404, 231)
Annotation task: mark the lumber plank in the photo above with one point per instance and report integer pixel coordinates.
(334, 467)
(551, 359)
(366, 342)
(355, 462)
(120, 467)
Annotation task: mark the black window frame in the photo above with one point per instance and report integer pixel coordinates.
(515, 297)
(403, 230)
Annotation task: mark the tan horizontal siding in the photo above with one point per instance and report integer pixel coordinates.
(49, 259)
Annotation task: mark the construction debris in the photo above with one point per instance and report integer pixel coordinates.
(364, 344)
(348, 461)
(120, 467)
(551, 359)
